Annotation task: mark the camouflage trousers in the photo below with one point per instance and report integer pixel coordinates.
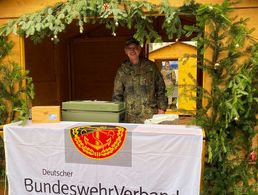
(131, 117)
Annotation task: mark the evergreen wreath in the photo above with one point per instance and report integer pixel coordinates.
(229, 113)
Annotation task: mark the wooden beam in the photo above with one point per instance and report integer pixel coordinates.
(242, 4)
(16, 8)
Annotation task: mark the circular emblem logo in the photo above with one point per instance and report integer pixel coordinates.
(98, 142)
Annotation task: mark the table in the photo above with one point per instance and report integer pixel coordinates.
(79, 158)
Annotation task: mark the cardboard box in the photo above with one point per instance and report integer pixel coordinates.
(45, 114)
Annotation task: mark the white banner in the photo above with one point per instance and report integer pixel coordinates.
(72, 158)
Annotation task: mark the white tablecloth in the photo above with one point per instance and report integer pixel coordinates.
(154, 160)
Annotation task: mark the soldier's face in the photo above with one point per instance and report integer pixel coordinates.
(133, 51)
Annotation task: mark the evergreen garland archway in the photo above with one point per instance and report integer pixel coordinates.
(229, 114)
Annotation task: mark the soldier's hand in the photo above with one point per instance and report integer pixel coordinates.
(161, 111)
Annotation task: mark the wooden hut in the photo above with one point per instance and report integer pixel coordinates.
(177, 52)
(78, 65)
(61, 74)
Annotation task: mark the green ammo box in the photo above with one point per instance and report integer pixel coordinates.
(93, 111)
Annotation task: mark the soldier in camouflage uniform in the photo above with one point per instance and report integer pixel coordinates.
(140, 85)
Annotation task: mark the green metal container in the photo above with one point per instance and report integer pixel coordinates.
(93, 111)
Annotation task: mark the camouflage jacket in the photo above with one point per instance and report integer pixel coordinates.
(142, 88)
